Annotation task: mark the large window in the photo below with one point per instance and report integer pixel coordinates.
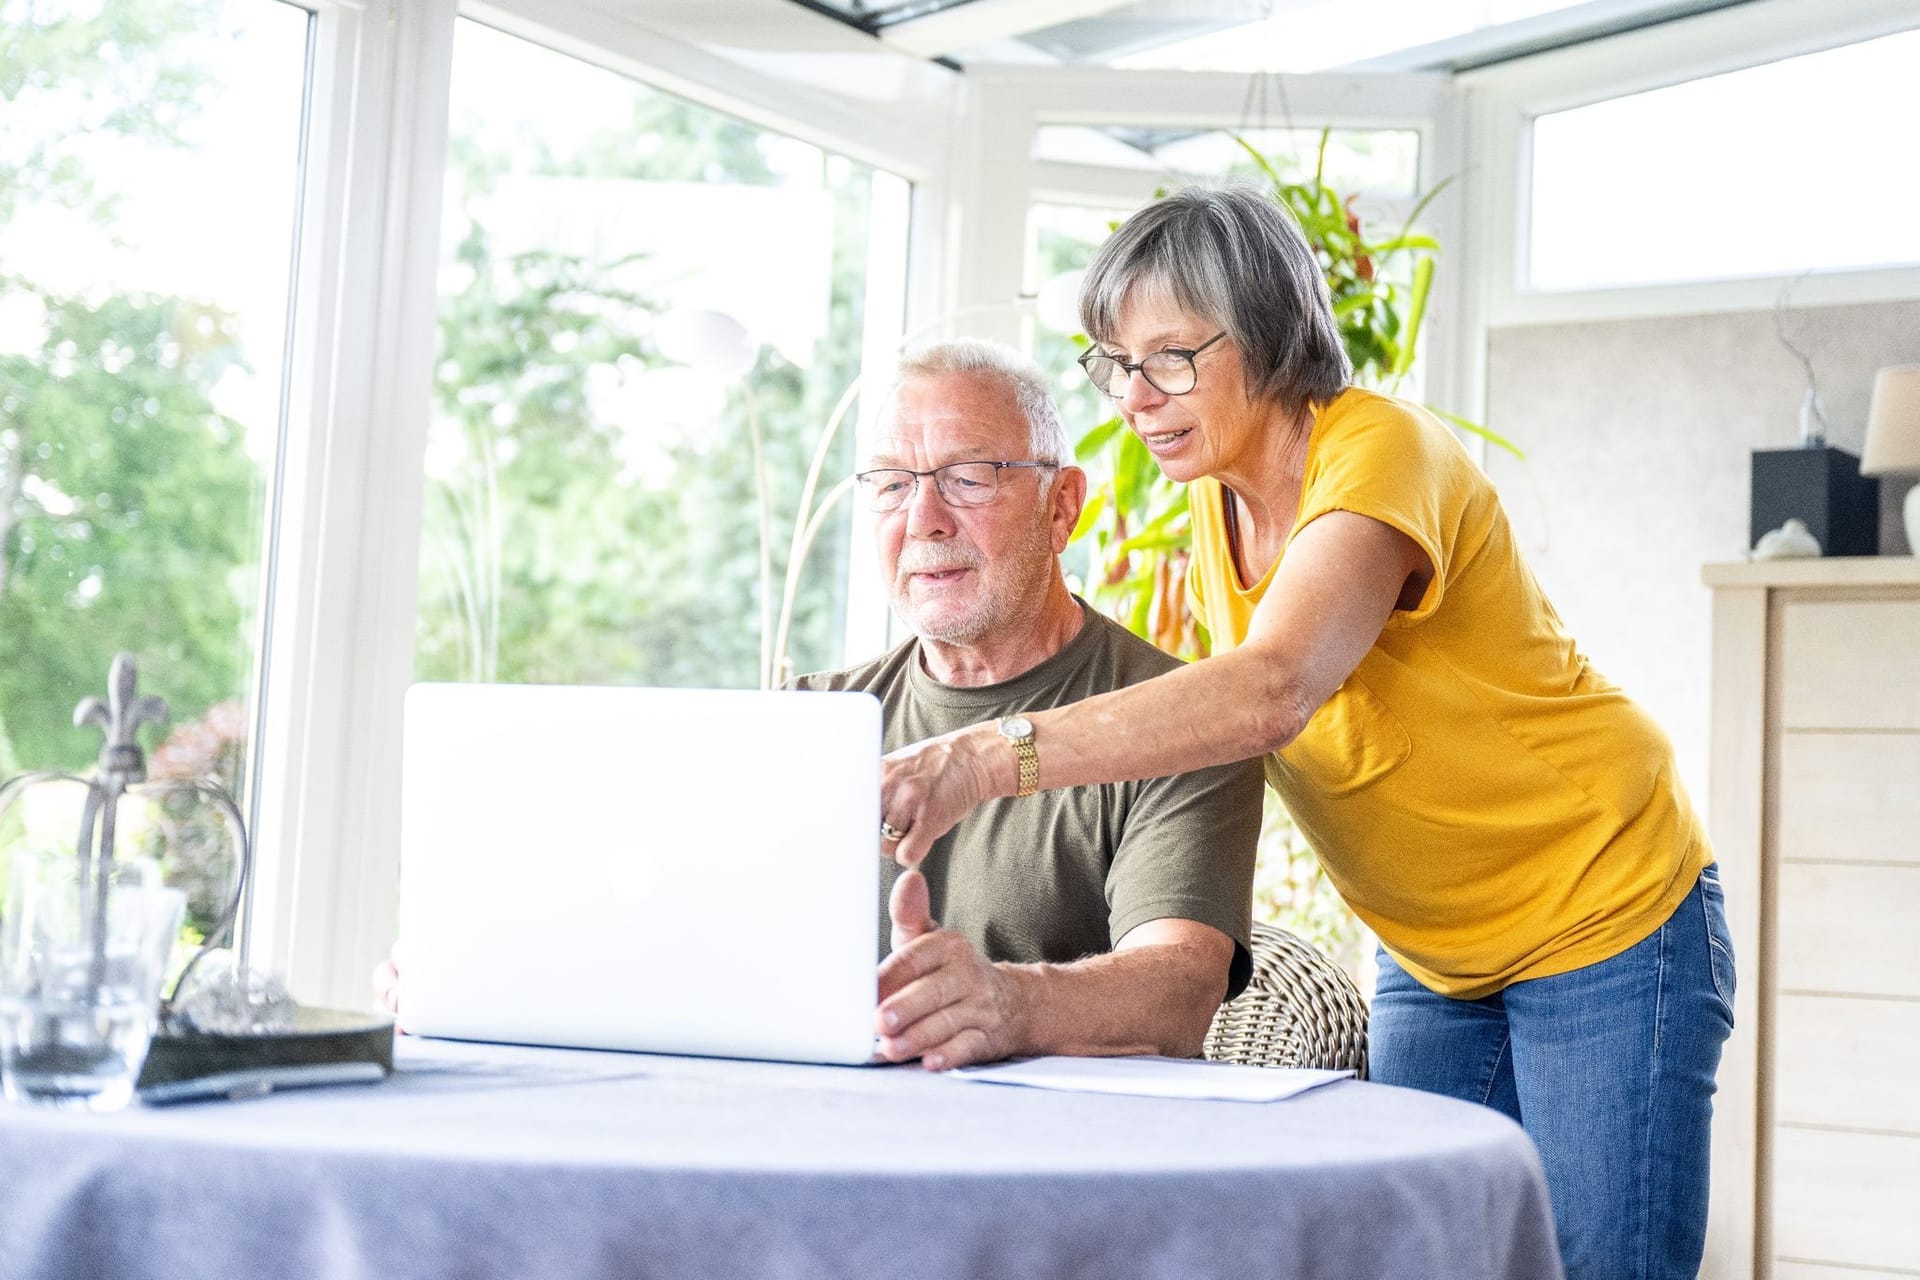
(149, 161)
(1803, 164)
(648, 310)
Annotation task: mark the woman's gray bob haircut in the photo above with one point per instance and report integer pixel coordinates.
(1045, 435)
(1230, 254)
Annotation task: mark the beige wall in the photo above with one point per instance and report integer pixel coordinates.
(1638, 435)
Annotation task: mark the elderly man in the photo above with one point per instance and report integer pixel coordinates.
(1091, 920)
(1088, 920)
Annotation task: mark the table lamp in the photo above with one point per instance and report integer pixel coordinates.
(1893, 437)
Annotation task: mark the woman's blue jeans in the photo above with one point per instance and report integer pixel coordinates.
(1608, 1068)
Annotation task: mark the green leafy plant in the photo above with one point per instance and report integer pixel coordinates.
(1136, 529)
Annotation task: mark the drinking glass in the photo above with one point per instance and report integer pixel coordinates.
(78, 1002)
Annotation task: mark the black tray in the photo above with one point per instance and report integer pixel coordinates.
(325, 1046)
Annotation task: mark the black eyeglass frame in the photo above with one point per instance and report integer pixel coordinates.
(940, 488)
(1140, 367)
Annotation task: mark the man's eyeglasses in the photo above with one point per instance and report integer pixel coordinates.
(1169, 371)
(959, 484)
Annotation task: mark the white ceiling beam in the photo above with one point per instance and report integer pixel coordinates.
(981, 22)
(773, 64)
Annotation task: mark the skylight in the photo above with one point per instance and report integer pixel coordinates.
(1248, 35)
(1324, 34)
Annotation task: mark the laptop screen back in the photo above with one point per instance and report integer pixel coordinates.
(671, 870)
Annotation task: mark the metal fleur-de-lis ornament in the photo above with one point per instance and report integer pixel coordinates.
(120, 718)
(122, 773)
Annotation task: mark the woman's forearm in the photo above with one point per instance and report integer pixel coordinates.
(1324, 610)
(1231, 707)
(1341, 581)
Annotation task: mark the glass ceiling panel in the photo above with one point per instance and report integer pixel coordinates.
(1320, 35)
(879, 13)
(1378, 161)
(1265, 35)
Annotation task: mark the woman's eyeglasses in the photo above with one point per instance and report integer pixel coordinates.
(1169, 371)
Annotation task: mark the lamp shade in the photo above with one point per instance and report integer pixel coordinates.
(710, 340)
(1893, 423)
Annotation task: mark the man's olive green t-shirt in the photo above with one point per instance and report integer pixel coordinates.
(1065, 873)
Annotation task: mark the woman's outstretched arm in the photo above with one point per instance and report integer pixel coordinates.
(1342, 578)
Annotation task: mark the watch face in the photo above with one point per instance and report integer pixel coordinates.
(1017, 727)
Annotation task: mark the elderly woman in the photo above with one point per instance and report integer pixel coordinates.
(1553, 941)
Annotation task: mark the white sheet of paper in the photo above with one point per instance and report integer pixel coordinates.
(1155, 1077)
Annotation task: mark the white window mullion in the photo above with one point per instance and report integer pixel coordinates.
(322, 907)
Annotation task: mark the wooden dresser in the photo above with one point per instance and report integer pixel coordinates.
(1814, 808)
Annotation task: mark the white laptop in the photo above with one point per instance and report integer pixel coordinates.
(670, 870)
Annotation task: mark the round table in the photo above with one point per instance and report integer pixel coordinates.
(490, 1160)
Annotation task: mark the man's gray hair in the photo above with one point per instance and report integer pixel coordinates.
(1229, 253)
(1046, 437)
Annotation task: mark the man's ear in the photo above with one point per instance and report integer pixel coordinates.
(1068, 497)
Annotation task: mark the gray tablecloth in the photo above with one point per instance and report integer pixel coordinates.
(482, 1161)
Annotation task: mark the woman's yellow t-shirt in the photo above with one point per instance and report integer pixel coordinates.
(1493, 807)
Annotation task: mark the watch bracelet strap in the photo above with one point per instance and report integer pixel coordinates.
(1029, 761)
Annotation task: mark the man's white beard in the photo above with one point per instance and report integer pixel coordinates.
(989, 611)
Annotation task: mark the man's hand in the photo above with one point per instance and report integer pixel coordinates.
(386, 984)
(940, 1000)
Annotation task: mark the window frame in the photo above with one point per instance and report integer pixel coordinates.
(347, 484)
(1503, 102)
(337, 652)
(1498, 105)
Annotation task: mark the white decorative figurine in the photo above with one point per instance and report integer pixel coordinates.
(1791, 541)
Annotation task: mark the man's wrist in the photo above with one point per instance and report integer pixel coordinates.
(1022, 988)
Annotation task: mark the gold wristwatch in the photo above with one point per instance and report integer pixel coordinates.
(1018, 731)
